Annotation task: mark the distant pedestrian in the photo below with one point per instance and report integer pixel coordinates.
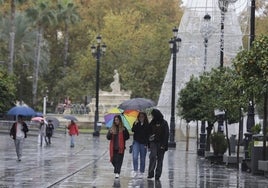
(18, 132)
(49, 132)
(140, 143)
(159, 132)
(73, 130)
(42, 131)
(117, 134)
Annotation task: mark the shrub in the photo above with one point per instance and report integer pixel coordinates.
(219, 143)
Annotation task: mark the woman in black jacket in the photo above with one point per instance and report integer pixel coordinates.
(140, 143)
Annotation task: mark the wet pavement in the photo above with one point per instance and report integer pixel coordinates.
(87, 165)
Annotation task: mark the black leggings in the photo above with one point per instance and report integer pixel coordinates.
(117, 161)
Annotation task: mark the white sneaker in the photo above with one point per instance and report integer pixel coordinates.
(134, 174)
(116, 175)
(140, 175)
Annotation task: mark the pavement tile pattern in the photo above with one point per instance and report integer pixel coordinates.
(87, 165)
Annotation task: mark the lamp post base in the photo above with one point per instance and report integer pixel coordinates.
(96, 134)
(172, 144)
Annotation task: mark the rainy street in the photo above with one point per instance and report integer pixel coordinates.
(87, 165)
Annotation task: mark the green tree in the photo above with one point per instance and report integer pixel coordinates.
(43, 15)
(218, 89)
(252, 65)
(8, 89)
(12, 33)
(68, 15)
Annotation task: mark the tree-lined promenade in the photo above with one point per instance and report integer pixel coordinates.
(51, 54)
(46, 44)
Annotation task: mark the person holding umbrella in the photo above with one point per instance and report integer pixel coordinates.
(159, 132)
(73, 130)
(140, 142)
(18, 132)
(42, 132)
(117, 134)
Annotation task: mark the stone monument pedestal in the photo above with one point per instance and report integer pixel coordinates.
(108, 100)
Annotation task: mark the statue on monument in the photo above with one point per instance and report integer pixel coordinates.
(115, 85)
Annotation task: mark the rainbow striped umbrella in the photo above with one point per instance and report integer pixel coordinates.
(128, 117)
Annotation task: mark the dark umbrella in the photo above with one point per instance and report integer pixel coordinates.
(137, 104)
(70, 117)
(21, 110)
(54, 121)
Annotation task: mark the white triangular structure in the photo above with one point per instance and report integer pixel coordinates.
(190, 58)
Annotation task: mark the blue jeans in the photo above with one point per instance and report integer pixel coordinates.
(139, 150)
(72, 140)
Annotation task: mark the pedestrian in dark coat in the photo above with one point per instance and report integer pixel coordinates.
(117, 134)
(159, 132)
(18, 132)
(49, 131)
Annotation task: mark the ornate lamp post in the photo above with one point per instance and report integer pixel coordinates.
(97, 52)
(206, 32)
(174, 45)
(223, 5)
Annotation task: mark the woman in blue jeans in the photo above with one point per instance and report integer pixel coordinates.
(140, 141)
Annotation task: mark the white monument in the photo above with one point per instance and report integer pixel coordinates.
(108, 100)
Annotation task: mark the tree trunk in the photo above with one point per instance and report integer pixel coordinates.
(36, 65)
(265, 123)
(187, 136)
(66, 48)
(12, 36)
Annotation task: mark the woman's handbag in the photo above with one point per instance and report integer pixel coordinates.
(130, 148)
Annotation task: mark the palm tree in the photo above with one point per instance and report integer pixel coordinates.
(42, 15)
(67, 14)
(24, 47)
(12, 33)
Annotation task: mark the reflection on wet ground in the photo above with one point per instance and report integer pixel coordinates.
(87, 165)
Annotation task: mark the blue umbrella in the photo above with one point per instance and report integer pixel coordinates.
(21, 110)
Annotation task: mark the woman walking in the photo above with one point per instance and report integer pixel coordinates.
(140, 142)
(117, 134)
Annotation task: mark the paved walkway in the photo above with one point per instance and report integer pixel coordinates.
(87, 165)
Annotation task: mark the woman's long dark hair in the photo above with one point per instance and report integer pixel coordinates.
(121, 124)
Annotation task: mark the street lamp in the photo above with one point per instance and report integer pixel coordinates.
(174, 45)
(97, 52)
(206, 32)
(251, 113)
(223, 5)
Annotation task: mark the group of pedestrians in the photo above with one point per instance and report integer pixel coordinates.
(45, 132)
(152, 136)
(19, 129)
